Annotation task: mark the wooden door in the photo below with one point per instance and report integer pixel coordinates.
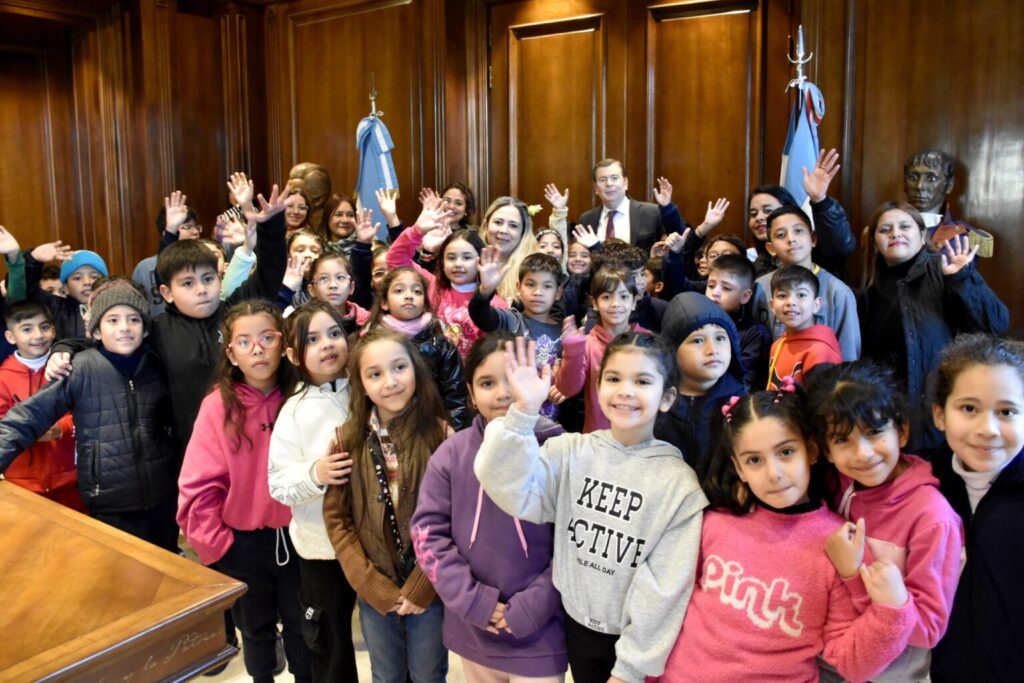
(680, 89)
(557, 96)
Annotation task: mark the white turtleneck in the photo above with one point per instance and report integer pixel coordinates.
(977, 483)
(32, 364)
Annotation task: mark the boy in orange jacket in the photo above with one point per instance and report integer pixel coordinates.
(48, 466)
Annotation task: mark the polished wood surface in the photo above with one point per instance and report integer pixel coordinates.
(84, 601)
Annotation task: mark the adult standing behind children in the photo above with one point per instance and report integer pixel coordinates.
(921, 301)
(639, 223)
(127, 467)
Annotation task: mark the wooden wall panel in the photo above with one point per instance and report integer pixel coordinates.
(703, 104)
(556, 106)
(945, 74)
(321, 54)
(553, 136)
(27, 150)
(199, 132)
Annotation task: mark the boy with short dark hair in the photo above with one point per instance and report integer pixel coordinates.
(731, 285)
(805, 344)
(48, 467)
(540, 285)
(187, 336)
(655, 282)
(708, 354)
(127, 467)
(791, 240)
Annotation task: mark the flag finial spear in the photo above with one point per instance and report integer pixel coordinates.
(373, 98)
(800, 60)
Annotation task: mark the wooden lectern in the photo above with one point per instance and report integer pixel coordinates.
(82, 601)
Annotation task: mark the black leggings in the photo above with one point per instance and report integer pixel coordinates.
(591, 653)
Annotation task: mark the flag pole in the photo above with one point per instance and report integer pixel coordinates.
(800, 60)
(373, 98)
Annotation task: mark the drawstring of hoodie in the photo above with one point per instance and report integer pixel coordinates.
(476, 523)
(846, 502)
(279, 541)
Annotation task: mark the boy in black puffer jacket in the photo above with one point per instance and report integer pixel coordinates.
(118, 396)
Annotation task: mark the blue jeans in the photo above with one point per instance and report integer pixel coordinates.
(401, 645)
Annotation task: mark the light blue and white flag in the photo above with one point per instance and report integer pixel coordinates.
(376, 170)
(801, 150)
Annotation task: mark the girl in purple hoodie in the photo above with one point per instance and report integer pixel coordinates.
(502, 613)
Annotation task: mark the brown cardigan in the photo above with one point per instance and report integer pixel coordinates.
(362, 542)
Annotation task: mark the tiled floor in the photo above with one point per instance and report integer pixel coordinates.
(235, 673)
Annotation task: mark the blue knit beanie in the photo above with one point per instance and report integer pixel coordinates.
(691, 311)
(82, 257)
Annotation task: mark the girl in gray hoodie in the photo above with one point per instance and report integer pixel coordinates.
(626, 507)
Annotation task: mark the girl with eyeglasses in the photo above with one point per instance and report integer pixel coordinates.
(224, 503)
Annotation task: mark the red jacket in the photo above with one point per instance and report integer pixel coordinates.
(47, 465)
(795, 353)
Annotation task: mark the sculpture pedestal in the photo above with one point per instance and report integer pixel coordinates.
(84, 601)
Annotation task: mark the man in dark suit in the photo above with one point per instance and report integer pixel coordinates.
(636, 222)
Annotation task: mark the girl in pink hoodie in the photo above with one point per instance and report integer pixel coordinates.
(224, 503)
(614, 294)
(891, 501)
(768, 601)
(455, 282)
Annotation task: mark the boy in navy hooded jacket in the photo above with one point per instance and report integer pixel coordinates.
(708, 352)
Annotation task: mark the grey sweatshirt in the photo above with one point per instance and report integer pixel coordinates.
(627, 529)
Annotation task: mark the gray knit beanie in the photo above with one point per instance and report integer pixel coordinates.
(116, 293)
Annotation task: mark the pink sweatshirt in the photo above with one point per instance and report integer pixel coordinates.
(451, 307)
(768, 601)
(909, 522)
(223, 483)
(580, 369)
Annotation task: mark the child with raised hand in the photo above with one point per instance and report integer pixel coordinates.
(303, 463)
(978, 401)
(921, 301)
(614, 294)
(118, 397)
(791, 239)
(708, 356)
(403, 306)
(79, 271)
(224, 504)
(770, 601)
(395, 422)
(891, 502)
(539, 287)
(492, 571)
(48, 466)
(681, 248)
(805, 344)
(626, 507)
(456, 280)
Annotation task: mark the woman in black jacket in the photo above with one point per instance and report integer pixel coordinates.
(914, 303)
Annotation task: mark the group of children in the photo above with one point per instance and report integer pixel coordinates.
(541, 453)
